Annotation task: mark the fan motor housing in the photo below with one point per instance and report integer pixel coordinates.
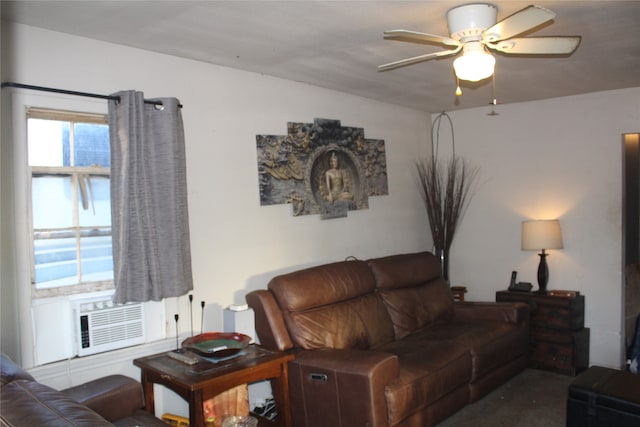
(468, 22)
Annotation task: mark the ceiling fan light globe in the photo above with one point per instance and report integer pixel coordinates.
(474, 66)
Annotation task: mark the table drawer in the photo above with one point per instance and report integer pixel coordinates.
(550, 311)
(558, 317)
(562, 352)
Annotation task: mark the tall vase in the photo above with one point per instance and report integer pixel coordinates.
(443, 256)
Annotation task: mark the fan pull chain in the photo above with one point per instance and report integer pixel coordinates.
(495, 101)
(493, 81)
(458, 90)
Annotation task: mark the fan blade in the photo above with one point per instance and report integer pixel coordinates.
(416, 59)
(521, 21)
(416, 37)
(537, 45)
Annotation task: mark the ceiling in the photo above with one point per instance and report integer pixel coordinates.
(339, 44)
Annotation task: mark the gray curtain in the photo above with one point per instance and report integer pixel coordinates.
(149, 216)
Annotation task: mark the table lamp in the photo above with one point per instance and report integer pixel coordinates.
(541, 235)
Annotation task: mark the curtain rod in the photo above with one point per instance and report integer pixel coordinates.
(72, 92)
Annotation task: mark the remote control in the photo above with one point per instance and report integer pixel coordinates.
(183, 357)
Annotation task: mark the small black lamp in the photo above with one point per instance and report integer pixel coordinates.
(541, 235)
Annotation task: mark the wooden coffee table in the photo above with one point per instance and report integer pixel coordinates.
(206, 379)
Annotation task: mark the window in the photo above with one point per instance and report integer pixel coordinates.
(68, 159)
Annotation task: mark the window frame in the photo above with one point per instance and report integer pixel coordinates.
(20, 237)
(74, 172)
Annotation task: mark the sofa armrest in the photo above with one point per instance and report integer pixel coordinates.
(29, 403)
(510, 312)
(346, 383)
(9, 371)
(270, 325)
(113, 396)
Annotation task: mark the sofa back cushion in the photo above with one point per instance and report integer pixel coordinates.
(333, 306)
(413, 291)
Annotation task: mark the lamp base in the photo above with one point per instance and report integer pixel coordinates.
(543, 273)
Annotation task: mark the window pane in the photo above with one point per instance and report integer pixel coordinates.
(96, 257)
(56, 263)
(52, 198)
(91, 144)
(70, 200)
(48, 143)
(95, 201)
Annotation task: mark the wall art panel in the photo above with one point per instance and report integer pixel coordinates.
(321, 168)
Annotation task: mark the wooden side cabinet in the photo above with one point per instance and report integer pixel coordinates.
(458, 292)
(559, 342)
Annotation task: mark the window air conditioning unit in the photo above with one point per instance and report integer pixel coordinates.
(101, 325)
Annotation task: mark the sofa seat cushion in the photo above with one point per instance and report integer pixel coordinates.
(491, 344)
(29, 403)
(429, 370)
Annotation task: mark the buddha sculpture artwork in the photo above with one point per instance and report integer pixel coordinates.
(337, 182)
(321, 168)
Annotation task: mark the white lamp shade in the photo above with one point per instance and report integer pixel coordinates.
(541, 234)
(475, 63)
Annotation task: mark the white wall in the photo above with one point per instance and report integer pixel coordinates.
(238, 245)
(559, 158)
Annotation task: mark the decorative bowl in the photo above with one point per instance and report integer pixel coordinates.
(217, 344)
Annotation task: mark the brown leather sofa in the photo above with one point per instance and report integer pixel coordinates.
(112, 400)
(382, 343)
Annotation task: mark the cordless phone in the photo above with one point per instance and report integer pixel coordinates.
(519, 286)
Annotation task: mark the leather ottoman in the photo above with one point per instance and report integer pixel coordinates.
(604, 397)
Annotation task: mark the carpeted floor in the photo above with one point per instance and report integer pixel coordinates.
(534, 398)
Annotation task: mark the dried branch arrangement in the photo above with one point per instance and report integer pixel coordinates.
(446, 192)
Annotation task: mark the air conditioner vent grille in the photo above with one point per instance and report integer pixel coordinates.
(117, 315)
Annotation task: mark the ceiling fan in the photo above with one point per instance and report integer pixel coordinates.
(473, 29)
